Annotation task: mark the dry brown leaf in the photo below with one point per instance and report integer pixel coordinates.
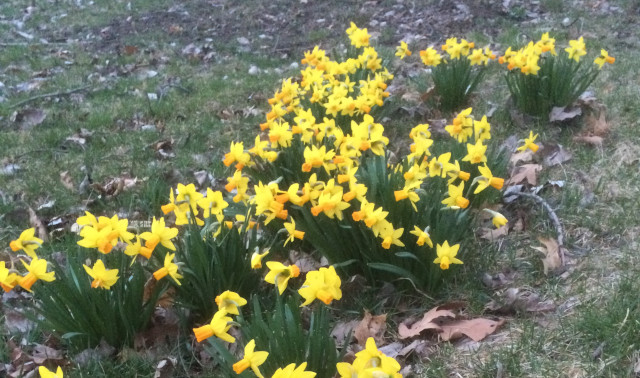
(115, 186)
(427, 322)
(524, 156)
(67, 181)
(593, 140)
(599, 126)
(555, 154)
(527, 173)
(515, 301)
(342, 330)
(492, 234)
(371, 326)
(559, 113)
(42, 353)
(551, 252)
(38, 224)
(475, 329)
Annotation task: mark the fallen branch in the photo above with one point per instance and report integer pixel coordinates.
(53, 94)
(552, 214)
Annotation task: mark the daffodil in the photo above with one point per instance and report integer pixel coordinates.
(213, 203)
(447, 255)
(293, 233)
(229, 302)
(102, 277)
(423, 236)
(371, 362)
(430, 57)
(46, 373)
(256, 259)
(219, 327)
(604, 58)
(251, 359)
(323, 284)
(170, 268)
(497, 219)
(403, 50)
(576, 49)
(103, 239)
(529, 143)
(456, 197)
(486, 179)
(160, 234)
(37, 269)
(27, 242)
(279, 274)
(476, 153)
(291, 371)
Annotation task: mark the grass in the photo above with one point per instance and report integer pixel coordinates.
(602, 235)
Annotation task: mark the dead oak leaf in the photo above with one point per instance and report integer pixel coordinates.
(475, 329)
(427, 322)
(551, 251)
(67, 181)
(371, 326)
(527, 173)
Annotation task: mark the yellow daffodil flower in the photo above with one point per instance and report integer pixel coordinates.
(219, 327)
(27, 242)
(291, 371)
(160, 234)
(256, 259)
(169, 268)
(447, 255)
(476, 153)
(323, 284)
(46, 373)
(403, 50)
(102, 277)
(229, 302)
(423, 236)
(251, 359)
(486, 179)
(456, 197)
(279, 274)
(293, 233)
(213, 203)
(604, 58)
(576, 49)
(497, 219)
(37, 269)
(529, 143)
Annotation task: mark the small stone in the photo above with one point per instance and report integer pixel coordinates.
(566, 22)
(253, 70)
(148, 128)
(294, 66)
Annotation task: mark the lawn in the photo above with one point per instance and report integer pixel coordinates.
(106, 106)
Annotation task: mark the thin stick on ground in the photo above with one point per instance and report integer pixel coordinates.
(554, 219)
(53, 94)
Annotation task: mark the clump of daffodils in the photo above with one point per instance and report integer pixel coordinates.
(539, 78)
(318, 169)
(457, 72)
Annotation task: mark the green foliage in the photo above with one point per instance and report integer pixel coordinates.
(212, 265)
(282, 332)
(83, 316)
(454, 81)
(559, 82)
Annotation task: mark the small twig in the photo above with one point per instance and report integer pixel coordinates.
(53, 94)
(552, 215)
